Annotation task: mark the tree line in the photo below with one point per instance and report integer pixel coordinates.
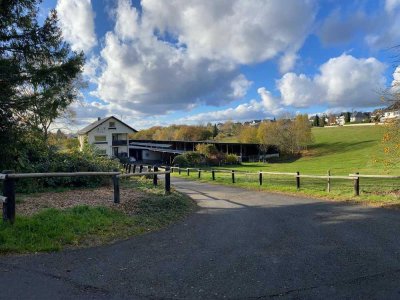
(290, 135)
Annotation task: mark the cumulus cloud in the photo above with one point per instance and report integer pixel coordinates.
(77, 23)
(266, 106)
(174, 55)
(240, 31)
(342, 81)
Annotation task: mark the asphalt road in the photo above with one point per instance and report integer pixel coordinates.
(238, 244)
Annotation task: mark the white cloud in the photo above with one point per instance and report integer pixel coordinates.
(267, 106)
(287, 62)
(77, 23)
(298, 90)
(177, 54)
(391, 5)
(126, 25)
(240, 31)
(342, 81)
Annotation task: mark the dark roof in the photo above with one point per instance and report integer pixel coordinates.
(92, 126)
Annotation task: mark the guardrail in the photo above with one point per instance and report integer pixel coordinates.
(9, 184)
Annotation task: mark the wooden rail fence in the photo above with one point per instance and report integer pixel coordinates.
(296, 175)
(9, 183)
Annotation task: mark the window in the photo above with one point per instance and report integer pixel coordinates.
(102, 151)
(111, 125)
(100, 139)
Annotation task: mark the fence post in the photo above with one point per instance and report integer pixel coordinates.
(155, 179)
(148, 168)
(260, 178)
(199, 175)
(134, 169)
(167, 181)
(130, 168)
(179, 170)
(298, 180)
(357, 185)
(213, 174)
(116, 188)
(328, 188)
(140, 168)
(233, 176)
(188, 171)
(126, 167)
(9, 193)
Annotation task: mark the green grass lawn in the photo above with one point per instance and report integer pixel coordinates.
(342, 150)
(53, 229)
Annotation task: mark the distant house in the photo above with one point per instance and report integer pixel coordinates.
(109, 135)
(358, 117)
(391, 113)
(341, 120)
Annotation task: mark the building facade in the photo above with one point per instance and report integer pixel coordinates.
(109, 135)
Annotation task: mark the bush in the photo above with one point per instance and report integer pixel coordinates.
(75, 161)
(181, 161)
(231, 159)
(194, 158)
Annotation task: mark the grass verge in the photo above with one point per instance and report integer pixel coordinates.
(80, 226)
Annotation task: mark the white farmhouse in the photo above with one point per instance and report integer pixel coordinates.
(391, 115)
(109, 135)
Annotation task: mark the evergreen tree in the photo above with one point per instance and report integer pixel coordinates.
(316, 121)
(215, 131)
(39, 74)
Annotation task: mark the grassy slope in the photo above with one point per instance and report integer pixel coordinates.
(343, 150)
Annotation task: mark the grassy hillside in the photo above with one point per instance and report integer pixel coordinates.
(342, 150)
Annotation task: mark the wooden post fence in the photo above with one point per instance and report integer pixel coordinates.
(298, 180)
(179, 170)
(199, 173)
(167, 181)
(233, 176)
(155, 178)
(130, 168)
(9, 195)
(328, 187)
(115, 179)
(357, 185)
(134, 169)
(213, 174)
(260, 178)
(187, 171)
(141, 169)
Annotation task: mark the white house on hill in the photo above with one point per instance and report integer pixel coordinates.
(109, 135)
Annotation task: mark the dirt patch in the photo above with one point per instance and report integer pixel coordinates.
(102, 196)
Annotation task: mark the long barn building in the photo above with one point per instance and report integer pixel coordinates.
(110, 136)
(165, 151)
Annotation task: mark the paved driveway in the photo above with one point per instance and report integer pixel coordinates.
(238, 244)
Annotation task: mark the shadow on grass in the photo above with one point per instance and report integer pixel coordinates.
(322, 149)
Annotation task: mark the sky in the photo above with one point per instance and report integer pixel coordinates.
(155, 62)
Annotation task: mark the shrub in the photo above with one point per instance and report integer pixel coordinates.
(181, 161)
(75, 161)
(194, 158)
(231, 159)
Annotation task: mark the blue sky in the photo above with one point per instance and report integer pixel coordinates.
(155, 62)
